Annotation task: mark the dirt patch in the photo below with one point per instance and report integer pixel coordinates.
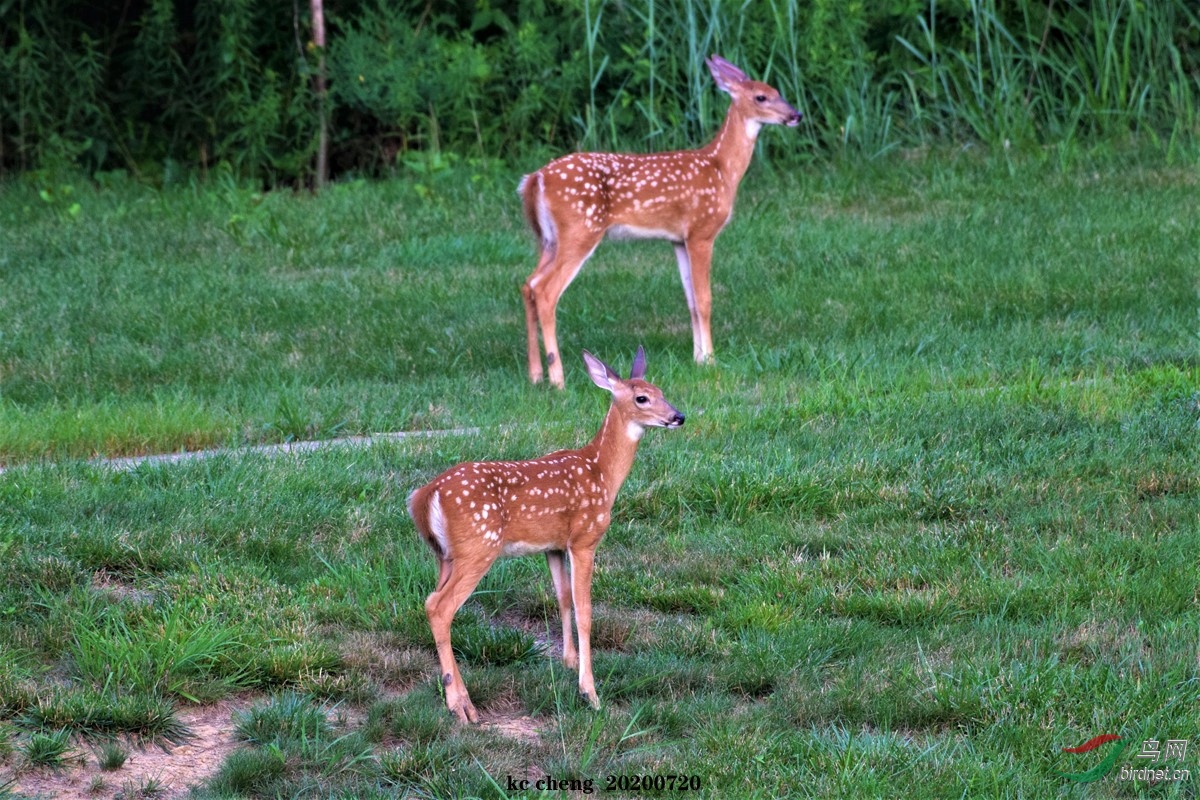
(112, 586)
(175, 768)
(522, 728)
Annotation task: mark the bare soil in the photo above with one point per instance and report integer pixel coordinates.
(174, 768)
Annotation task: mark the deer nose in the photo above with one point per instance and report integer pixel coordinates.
(676, 420)
(794, 120)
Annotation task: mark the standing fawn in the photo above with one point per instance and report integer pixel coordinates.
(560, 504)
(685, 197)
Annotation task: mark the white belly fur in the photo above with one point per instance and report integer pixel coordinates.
(634, 232)
(524, 548)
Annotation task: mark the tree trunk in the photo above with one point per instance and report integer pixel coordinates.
(318, 38)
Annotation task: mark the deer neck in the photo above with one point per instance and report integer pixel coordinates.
(613, 450)
(733, 146)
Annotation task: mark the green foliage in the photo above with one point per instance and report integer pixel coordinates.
(164, 93)
(52, 70)
(417, 81)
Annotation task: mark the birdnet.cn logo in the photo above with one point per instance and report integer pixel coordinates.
(1155, 762)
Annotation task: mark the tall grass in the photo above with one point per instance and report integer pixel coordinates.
(1038, 74)
(1110, 69)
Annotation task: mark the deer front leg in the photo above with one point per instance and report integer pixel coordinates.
(582, 560)
(562, 591)
(699, 258)
(440, 607)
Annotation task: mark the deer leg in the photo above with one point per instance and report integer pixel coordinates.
(582, 560)
(699, 256)
(689, 292)
(562, 590)
(547, 285)
(533, 346)
(460, 579)
(443, 572)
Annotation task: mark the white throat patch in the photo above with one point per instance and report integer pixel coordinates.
(634, 431)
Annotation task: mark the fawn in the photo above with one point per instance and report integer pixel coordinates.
(559, 504)
(685, 197)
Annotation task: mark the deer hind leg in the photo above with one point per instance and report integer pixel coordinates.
(533, 346)
(695, 268)
(457, 579)
(546, 285)
(689, 292)
(562, 590)
(582, 560)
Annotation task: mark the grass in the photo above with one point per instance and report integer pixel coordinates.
(111, 756)
(933, 516)
(51, 750)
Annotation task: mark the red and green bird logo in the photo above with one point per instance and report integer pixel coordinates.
(1100, 770)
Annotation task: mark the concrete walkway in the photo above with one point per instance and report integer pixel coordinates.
(286, 448)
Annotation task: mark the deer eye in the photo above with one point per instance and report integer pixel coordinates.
(641, 399)
(762, 98)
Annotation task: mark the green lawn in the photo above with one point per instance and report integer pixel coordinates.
(934, 516)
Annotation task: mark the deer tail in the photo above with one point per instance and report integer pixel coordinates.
(425, 508)
(533, 200)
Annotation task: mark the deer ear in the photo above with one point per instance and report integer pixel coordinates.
(638, 370)
(601, 374)
(724, 73)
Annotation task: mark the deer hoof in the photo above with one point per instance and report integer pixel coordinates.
(592, 699)
(459, 702)
(465, 712)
